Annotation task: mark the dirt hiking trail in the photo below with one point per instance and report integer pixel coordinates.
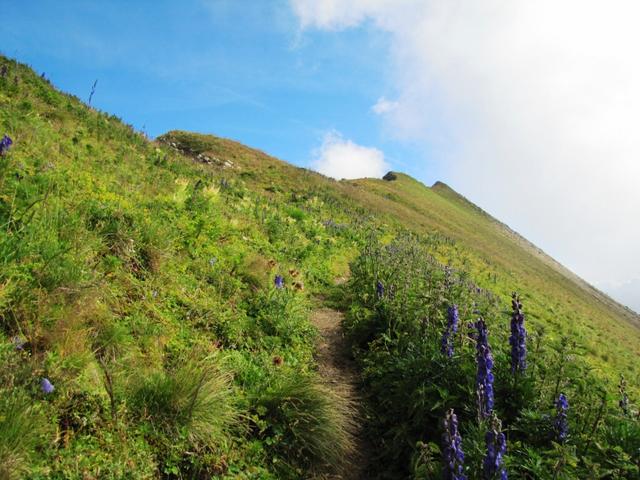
(339, 371)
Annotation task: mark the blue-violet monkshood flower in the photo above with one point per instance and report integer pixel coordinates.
(518, 338)
(561, 424)
(484, 377)
(453, 456)
(450, 330)
(496, 448)
(5, 143)
(279, 281)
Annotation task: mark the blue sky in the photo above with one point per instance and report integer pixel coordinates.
(239, 69)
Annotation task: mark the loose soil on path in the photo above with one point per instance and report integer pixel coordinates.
(339, 371)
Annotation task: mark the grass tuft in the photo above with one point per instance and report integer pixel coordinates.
(312, 425)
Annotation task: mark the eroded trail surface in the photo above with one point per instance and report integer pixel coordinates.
(340, 372)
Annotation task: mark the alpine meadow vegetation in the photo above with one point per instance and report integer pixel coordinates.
(155, 301)
(497, 419)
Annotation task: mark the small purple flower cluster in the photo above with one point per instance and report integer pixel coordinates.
(452, 328)
(518, 338)
(46, 386)
(561, 424)
(496, 448)
(19, 342)
(484, 377)
(379, 289)
(279, 281)
(5, 143)
(453, 455)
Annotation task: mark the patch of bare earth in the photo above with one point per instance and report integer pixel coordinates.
(340, 373)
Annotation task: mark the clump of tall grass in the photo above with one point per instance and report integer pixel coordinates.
(311, 425)
(194, 400)
(21, 429)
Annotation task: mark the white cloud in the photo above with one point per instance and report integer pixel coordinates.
(340, 158)
(383, 106)
(535, 107)
(336, 14)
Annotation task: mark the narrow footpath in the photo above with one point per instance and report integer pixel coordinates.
(340, 372)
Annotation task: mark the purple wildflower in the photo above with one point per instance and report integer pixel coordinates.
(484, 377)
(452, 328)
(453, 456)
(379, 289)
(496, 448)
(518, 338)
(46, 386)
(561, 424)
(19, 342)
(5, 143)
(279, 281)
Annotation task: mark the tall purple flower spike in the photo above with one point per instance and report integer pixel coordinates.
(518, 338)
(561, 424)
(484, 377)
(279, 281)
(453, 456)
(496, 448)
(450, 330)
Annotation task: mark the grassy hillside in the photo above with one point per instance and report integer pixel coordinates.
(137, 278)
(497, 257)
(504, 261)
(140, 284)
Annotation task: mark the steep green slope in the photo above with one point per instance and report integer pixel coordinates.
(140, 285)
(498, 258)
(505, 261)
(138, 278)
